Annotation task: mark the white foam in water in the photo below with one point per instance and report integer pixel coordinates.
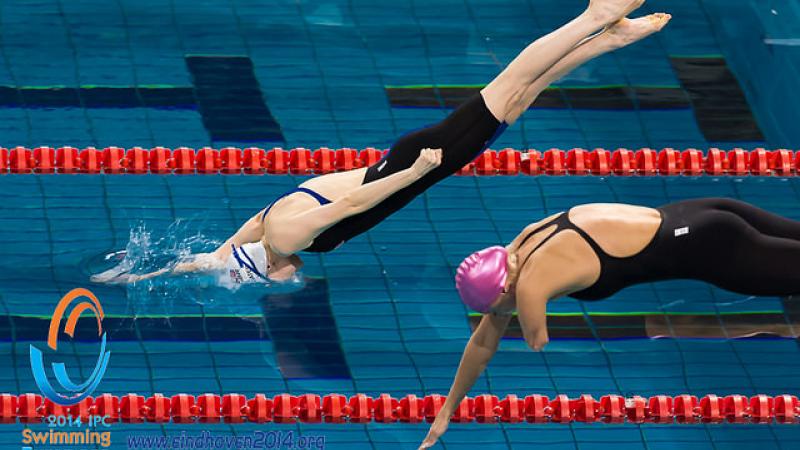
(792, 42)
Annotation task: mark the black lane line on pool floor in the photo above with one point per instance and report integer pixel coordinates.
(226, 93)
(632, 326)
(120, 329)
(598, 98)
(230, 99)
(720, 106)
(303, 328)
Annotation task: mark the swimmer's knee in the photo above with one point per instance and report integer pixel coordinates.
(500, 97)
(494, 104)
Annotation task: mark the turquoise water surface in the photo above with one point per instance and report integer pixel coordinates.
(380, 314)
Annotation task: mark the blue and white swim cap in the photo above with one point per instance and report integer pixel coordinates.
(247, 264)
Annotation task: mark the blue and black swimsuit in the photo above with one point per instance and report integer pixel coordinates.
(462, 136)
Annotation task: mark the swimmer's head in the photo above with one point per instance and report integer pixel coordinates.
(481, 278)
(254, 263)
(248, 263)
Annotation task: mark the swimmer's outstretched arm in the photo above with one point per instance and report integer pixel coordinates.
(202, 262)
(250, 231)
(291, 234)
(532, 314)
(479, 351)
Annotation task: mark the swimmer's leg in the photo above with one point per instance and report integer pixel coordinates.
(722, 248)
(505, 91)
(523, 92)
(757, 264)
(764, 221)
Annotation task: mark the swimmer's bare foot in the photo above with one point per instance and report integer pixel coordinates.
(627, 31)
(610, 11)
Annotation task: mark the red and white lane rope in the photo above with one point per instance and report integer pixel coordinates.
(302, 161)
(360, 408)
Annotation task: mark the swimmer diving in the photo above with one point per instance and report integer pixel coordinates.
(326, 211)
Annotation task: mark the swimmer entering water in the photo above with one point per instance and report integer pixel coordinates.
(328, 210)
(592, 251)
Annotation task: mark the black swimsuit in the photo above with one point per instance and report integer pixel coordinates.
(462, 136)
(725, 242)
(615, 273)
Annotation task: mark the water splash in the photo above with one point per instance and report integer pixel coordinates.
(173, 294)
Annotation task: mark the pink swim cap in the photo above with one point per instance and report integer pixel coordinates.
(481, 277)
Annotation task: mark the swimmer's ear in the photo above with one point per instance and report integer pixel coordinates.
(513, 269)
(512, 262)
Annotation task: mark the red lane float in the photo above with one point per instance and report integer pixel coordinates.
(20, 160)
(183, 159)
(67, 160)
(230, 160)
(3, 160)
(600, 161)
(716, 162)
(692, 162)
(136, 161)
(91, 160)
(346, 159)
(207, 160)
(370, 156)
(254, 161)
(276, 160)
(44, 160)
(738, 162)
(782, 162)
(623, 162)
(486, 163)
(324, 161)
(113, 160)
(301, 161)
(578, 162)
(234, 408)
(647, 161)
(555, 162)
(531, 161)
(509, 161)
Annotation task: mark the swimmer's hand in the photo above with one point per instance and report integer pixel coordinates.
(438, 427)
(429, 159)
(113, 276)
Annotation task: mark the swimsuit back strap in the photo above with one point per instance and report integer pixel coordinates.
(589, 240)
(556, 221)
(322, 200)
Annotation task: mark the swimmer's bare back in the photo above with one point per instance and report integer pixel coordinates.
(620, 230)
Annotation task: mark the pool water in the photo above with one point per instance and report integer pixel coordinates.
(380, 314)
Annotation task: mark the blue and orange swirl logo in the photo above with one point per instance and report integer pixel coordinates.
(74, 392)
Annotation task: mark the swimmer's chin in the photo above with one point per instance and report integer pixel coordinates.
(288, 270)
(283, 276)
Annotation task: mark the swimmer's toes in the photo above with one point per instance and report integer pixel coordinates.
(660, 20)
(627, 31)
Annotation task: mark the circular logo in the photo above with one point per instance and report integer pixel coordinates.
(69, 392)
